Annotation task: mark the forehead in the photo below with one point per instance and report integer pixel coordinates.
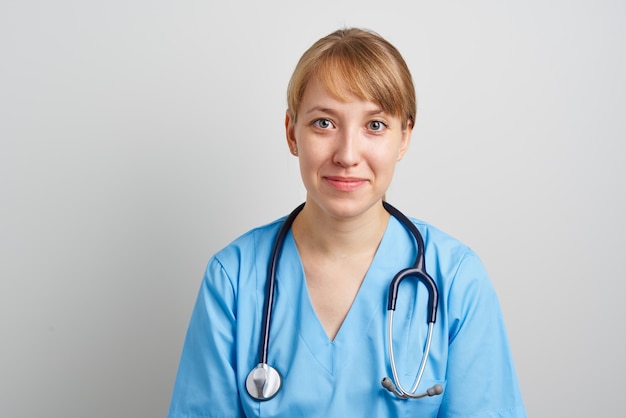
(338, 89)
(345, 79)
(320, 96)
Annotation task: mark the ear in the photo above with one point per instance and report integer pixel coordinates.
(405, 141)
(290, 132)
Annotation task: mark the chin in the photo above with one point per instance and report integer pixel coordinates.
(345, 208)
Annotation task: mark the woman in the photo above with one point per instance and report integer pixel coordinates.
(351, 110)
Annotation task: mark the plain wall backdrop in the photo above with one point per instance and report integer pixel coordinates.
(139, 137)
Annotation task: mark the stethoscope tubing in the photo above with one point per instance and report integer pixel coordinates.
(418, 270)
(271, 284)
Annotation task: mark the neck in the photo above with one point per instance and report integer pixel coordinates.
(337, 238)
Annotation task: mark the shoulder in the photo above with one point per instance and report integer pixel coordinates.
(248, 248)
(456, 264)
(465, 288)
(441, 243)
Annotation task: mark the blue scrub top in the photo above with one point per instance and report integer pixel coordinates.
(469, 357)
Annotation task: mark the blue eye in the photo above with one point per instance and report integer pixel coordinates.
(323, 123)
(376, 125)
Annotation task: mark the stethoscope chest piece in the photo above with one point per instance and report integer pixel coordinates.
(263, 382)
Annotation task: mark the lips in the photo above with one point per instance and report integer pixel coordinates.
(345, 184)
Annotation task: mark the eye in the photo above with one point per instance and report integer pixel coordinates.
(323, 123)
(376, 126)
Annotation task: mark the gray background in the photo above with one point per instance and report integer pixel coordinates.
(139, 137)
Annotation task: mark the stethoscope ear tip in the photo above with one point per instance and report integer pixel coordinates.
(435, 390)
(388, 384)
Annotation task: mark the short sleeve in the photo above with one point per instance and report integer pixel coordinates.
(206, 381)
(482, 381)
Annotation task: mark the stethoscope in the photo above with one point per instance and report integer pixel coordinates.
(264, 381)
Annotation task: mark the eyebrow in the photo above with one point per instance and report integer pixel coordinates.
(376, 111)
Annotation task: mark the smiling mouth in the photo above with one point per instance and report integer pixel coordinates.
(345, 184)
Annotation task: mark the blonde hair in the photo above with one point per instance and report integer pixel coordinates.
(356, 62)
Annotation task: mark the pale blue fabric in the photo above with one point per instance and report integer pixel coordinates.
(470, 355)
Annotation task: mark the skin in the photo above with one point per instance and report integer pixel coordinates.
(347, 151)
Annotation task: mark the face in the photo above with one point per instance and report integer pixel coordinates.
(347, 150)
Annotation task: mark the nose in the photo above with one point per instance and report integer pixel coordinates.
(347, 151)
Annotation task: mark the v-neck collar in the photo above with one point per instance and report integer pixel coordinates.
(370, 299)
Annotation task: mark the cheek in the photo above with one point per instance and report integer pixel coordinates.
(312, 155)
(384, 161)
(307, 163)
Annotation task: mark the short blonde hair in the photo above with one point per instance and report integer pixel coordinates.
(358, 62)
